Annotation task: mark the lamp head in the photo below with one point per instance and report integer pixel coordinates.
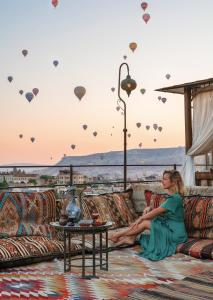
(128, 85)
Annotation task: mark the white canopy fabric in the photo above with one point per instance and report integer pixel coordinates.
(202, 134)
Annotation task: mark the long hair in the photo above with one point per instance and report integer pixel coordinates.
(176, 178)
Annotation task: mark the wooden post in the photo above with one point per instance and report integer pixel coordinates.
(188, 118)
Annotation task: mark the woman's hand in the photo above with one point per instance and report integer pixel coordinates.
(136, 223)
(146, 210)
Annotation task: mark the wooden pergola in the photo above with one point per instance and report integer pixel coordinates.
(189, 90)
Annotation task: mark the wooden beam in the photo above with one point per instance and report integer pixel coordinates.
(188, 118)
(202, 90)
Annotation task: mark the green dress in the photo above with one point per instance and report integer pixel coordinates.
(166, 232)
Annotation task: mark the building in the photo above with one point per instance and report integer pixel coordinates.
(64, 177)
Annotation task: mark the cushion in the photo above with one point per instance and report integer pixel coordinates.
(26, 213)
(15, 251)
(116, 207)
(198, 214)
(138, 195)
(157, 199)
(148, 195)
(198, 248)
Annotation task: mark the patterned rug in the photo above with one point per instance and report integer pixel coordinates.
(195, 287)
(127, 273)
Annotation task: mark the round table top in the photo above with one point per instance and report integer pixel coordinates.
(79, 228)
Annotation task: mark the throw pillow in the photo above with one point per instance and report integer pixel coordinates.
(115, 207)
(198, 213)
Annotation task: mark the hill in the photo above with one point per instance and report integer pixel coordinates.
(134, 156)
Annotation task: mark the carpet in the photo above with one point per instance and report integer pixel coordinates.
(127, 273)
(195, 287)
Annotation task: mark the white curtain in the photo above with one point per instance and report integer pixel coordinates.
(202, 134)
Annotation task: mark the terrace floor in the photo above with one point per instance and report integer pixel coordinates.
(128, 276)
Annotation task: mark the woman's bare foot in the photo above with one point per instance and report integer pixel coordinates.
(125, 241)
(114, 238)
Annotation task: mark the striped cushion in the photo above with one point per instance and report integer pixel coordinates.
(116, 207)
(21, 249)
(26, 213)
(198, 214)
(198, 248)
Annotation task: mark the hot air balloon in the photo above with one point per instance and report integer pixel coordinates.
(21, 136)
(140, 145)
(155, 140)
(159, 98)
(117, 108)
(112, 89)
(65, 155)
(147, 127)
(122, 113)
(146, 18)
(168, 76)
(10, 78)
(143, 91)
(29, 96)
(51, 157)
(80, 91)
(125, 57)
(84, 126)
(54, 3)
(155, 126)
(160, 128)
(113, 126)
(163, 100)
(35, 91)
(73, 146)
(129, 135)
(144, 5)
(55, 62)
(24, 52)
(32, 139)
(138, 124)
(111, 134)
(95, 133)
(133, 46)
(21, 92)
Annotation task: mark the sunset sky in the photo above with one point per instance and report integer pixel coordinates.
(89, 39)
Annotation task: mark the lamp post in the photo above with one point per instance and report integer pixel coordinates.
(128, 85)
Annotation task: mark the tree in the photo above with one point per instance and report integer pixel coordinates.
(32, 181)
(4, 184)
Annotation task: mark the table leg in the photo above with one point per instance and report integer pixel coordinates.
(101, 251)
(107, 250)
(83, 255)
(65, 251)
(69, 244)
(93, 254)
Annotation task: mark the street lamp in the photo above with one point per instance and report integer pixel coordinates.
(127, 85)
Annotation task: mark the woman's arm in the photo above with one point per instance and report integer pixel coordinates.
(155, 212)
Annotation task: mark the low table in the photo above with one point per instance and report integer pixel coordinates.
(68, 231)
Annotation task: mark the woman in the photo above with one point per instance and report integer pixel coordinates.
(166, 223)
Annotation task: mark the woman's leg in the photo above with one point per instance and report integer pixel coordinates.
(130, 235)
(116, 236)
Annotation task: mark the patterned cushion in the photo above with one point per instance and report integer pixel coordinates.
(17, 250)
(198, 211)
(138, 194)
(198, 248)
(26, 213)
(156, 200)
(116, 207)
(148, 195)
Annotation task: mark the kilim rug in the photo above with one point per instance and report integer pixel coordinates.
(195, 287)
(127, 273)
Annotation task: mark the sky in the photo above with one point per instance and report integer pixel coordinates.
(89, 39)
